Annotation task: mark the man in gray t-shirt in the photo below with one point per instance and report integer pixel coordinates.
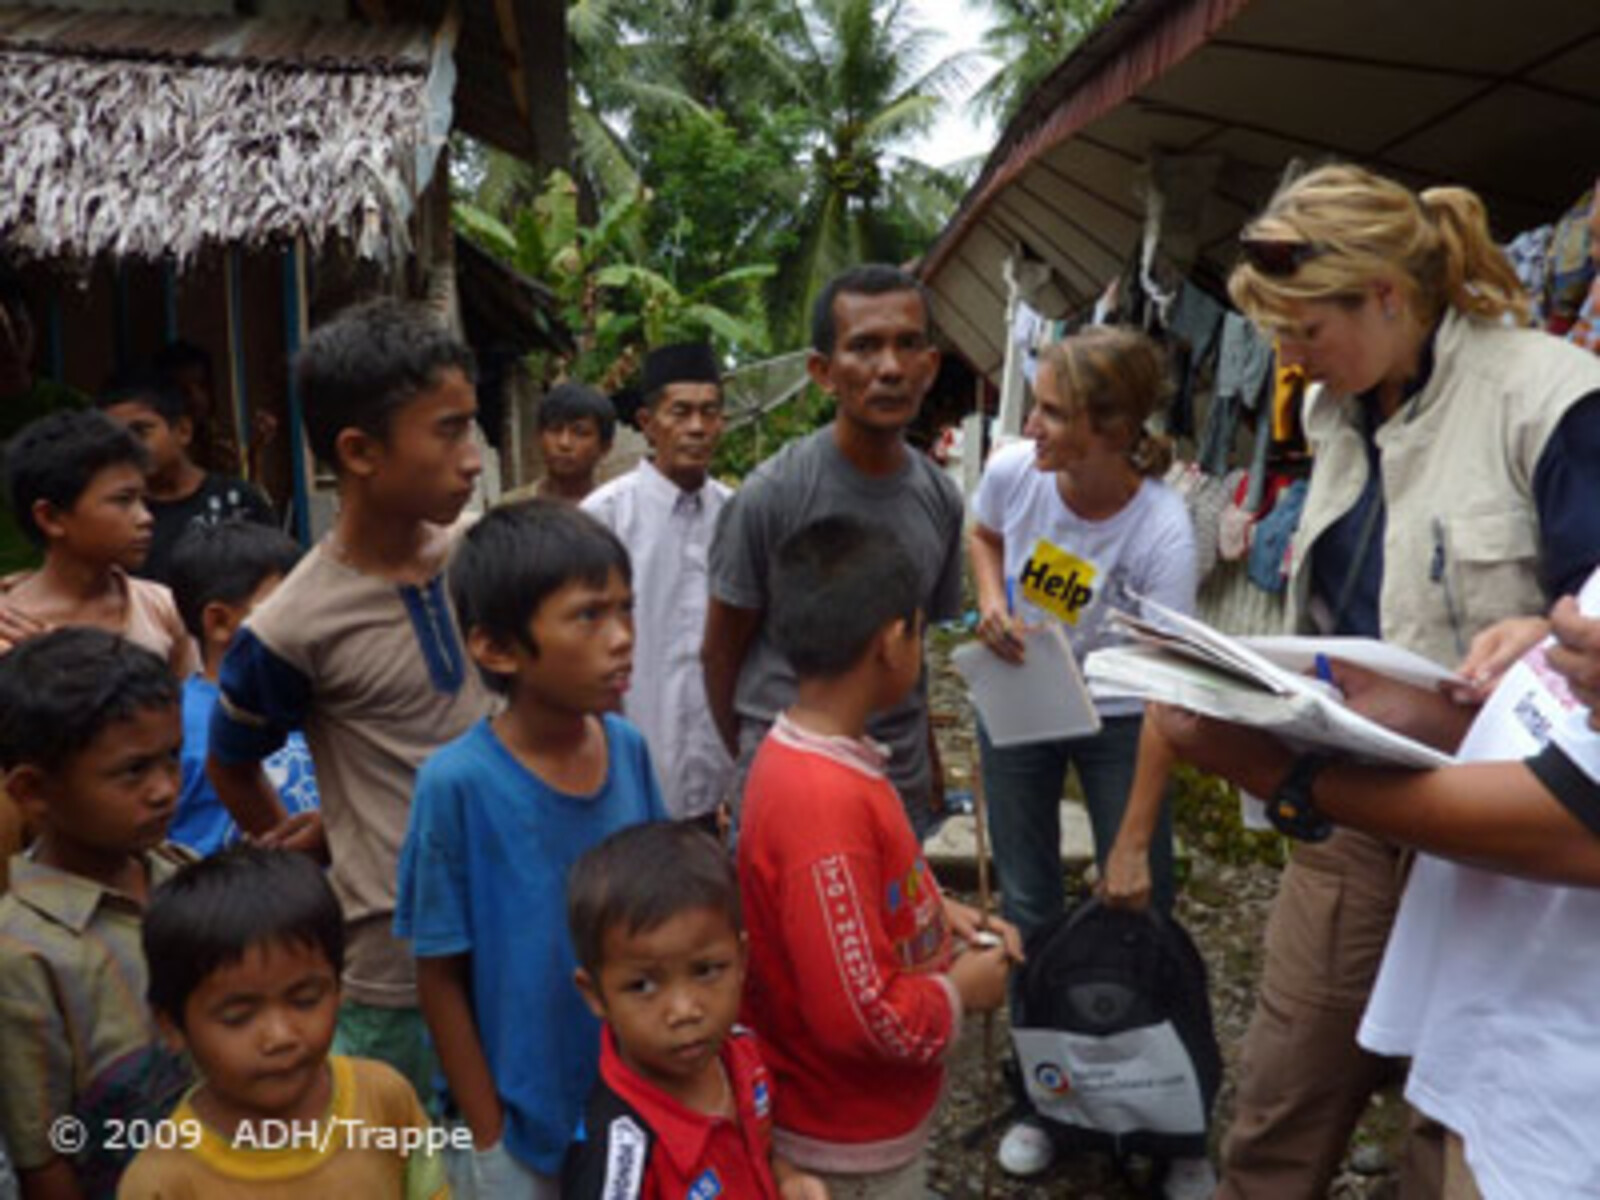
(872, 352)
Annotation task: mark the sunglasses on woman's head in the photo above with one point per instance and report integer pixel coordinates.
(1279, 257)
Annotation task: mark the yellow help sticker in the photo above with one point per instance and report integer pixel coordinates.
(1061, 584)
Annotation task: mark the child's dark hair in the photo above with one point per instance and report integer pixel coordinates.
(641, 877)
(516, 556)
(569, 402)
(179, 356)
(225, 562)
(834, 585)
(869, 279)
(59, 690)
(369, 361)
(146, 388)
(56, 457)
(210, 913)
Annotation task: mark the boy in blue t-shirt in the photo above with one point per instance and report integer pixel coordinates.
(544, 597)
(218, 574)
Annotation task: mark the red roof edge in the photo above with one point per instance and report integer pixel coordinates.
(1141, 41)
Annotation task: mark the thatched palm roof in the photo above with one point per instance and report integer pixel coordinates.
(154, 136)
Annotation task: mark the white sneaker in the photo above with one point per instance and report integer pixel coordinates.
(1189, 1179)
(1027, 1149)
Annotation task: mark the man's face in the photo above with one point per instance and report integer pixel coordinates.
(573, 449)
(683, 427)
(883, 362)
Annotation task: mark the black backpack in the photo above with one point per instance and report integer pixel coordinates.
(1113, 1036)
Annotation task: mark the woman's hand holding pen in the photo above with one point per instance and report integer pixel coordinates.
(1001, 632)
(998, 627)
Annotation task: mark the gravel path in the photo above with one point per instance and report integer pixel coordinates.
(1224, 907)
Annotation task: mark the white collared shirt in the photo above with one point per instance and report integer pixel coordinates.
(668, 535)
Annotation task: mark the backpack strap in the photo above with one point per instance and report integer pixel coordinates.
(613, 1159)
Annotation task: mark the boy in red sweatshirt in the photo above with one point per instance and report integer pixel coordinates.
(856, 984)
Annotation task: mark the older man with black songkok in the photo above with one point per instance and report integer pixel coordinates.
(665, 511)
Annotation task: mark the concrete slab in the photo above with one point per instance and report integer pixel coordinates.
(952, 852)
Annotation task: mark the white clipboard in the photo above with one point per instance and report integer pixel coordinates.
(1041, 699)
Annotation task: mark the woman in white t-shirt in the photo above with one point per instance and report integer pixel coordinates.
(1067, 523)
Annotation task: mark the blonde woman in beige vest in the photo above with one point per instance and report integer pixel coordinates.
(1454, 484)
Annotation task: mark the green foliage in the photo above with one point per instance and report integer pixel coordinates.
(869, 86)
(744, 448)
(615, 307)
(722, 195)
(768, 131)
(1205, 813)
(731, 156)
(1029, 39)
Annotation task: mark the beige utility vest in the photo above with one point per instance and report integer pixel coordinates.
(1461, 532)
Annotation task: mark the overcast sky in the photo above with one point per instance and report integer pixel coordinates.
(960, 134)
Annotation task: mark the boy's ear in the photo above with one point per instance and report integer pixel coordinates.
(358, 451)
(890, 642)
(48, 518)
(29, 788)
(590, 992)
(490, 652)
(219, 622)
(183, 431)
(170, 1033)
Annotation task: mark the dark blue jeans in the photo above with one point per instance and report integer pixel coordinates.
(1023, 786)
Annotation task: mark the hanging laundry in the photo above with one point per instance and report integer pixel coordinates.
(1195, 319)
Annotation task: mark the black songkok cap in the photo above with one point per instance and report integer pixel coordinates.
(685, 362)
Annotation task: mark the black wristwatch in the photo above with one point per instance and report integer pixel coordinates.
(1291, 809)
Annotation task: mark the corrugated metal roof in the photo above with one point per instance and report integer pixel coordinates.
(222, 41)
(512, 58)
(1505, 100)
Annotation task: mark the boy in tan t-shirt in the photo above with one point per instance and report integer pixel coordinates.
(78, 491)
(358, 646)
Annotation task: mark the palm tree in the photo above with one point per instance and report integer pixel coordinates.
(1030, 38)
(638, 62)
(615, 307)
(868, 87)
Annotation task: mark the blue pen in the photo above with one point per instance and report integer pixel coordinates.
(1325, 671)
(1011, 596)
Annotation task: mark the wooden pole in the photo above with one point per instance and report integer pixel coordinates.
(980, 821)
(296, 326)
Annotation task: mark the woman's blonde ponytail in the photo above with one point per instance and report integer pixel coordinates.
(1477, 276)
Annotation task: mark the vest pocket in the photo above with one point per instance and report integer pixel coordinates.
(1488, 566)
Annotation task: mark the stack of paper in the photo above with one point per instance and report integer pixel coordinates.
(1182, 661)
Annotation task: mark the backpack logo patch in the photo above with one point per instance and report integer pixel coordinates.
(1052, 1079)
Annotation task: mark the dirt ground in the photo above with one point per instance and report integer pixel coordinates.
(1224, 905)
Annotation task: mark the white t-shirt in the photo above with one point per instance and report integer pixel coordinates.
(1072, 570)
(1492, 984)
